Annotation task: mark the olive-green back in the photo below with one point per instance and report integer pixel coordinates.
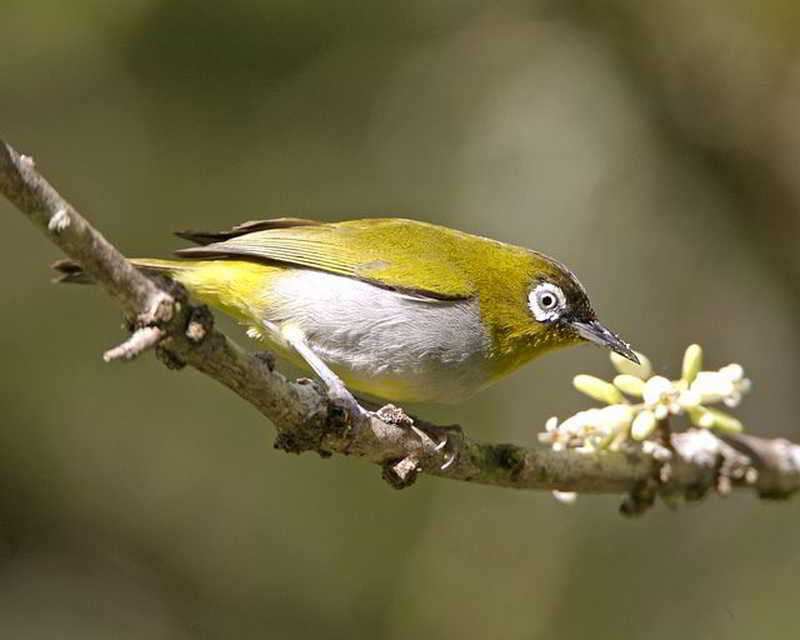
(407, 255)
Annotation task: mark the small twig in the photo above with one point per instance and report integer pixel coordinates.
(140, 340)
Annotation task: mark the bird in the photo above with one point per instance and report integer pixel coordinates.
(394, 308)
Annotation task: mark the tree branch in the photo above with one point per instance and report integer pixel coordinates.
(694, 463)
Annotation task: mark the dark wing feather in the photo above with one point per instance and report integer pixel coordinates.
(208, 237)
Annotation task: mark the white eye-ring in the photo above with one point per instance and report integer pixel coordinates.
(546, 301)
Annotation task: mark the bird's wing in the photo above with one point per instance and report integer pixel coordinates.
(408, 256)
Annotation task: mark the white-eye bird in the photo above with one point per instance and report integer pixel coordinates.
(395, 308)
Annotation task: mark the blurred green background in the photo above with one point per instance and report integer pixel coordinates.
(654, 147)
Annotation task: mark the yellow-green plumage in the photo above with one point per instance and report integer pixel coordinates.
(388, 252)
(406, 277)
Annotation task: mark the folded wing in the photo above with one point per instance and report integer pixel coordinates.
(404, 255)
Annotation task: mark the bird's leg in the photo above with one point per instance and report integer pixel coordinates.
(337, 391)
(341, 396)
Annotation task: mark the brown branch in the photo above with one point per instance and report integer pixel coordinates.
(695, 463)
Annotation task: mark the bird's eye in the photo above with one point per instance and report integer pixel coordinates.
(546, 301)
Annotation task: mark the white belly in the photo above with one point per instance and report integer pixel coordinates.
(396, 346)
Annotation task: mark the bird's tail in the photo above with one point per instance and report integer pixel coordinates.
(234, 286)
(71, 272)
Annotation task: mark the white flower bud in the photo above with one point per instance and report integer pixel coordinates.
(712, 386)
(629, 384)
(643, 425)
(733, 372)
(598, 389)
(725, 422)
(692, 362)
(714, 419)
(706, 420)
(733, 400)
(642, 370)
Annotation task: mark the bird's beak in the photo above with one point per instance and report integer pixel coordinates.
(595, 332)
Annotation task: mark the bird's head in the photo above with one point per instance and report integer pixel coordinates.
(553, 311)
(559, 307)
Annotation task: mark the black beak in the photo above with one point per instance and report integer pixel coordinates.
(595, 332)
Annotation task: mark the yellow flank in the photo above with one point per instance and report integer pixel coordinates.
(234, 286)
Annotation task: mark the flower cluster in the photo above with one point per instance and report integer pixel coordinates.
(656, 399)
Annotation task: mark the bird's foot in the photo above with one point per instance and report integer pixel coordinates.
(434, 439)
(446, 434)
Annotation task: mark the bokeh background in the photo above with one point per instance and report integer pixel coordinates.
(654, 147)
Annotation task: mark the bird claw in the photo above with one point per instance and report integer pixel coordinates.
(438, 447)
(394, 415)
(449, 462)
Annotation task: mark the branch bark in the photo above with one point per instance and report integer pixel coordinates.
(694, 463)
